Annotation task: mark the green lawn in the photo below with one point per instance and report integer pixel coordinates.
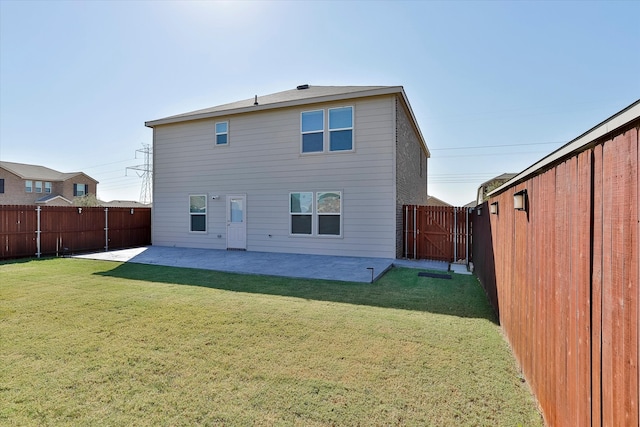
(99, 343)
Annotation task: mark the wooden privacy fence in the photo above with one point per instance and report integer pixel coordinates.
(564, 275)
(28, 230)
(436, 232)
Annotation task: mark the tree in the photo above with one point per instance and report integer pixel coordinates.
(88, 200)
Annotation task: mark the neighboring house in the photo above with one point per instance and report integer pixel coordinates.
(313, 170)
(434, 201)
(22, 184)
(492, 184)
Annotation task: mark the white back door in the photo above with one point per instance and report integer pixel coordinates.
(237, 221)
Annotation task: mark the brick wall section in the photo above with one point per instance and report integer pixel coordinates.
(411, 170)
(15, 194)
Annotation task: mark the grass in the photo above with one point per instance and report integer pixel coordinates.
(97, 343)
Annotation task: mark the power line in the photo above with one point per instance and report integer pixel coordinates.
(497, 146)
(491, 154)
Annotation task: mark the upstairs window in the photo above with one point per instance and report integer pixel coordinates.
(80, 190)
(341, 129)
(47, 187)
(38, 186)
(222, 133)
(28, 186)
(1, 185)
(198, 213)
(313, 131)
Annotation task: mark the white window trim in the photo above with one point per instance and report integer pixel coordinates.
(324, 142)
(314, 216)
(28, 188)
(221, 133)
(352, 129)
(205, 213)
(48, 187)
(39, 189)
(318, 214)
(291, 214)
(326, 132)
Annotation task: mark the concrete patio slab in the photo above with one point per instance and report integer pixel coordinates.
(350, 269)
(459, 269)
(425, 264)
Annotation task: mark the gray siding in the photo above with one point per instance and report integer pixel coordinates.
(411, 170)
(263, 161)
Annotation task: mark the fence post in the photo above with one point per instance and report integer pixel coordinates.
(406, 231)
(415, 233)
(455, 234)
(106, 229)
(466, 239)
(38, 231)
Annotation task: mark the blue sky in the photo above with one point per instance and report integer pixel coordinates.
(495, 86)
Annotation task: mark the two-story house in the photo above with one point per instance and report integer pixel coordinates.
(23, 184)
(314, 170)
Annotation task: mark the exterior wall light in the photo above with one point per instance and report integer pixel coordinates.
(79, 210)
(520, 200)
(493, 208)
(479, 210)
(131, 211)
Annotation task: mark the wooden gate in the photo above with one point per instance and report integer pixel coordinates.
(436, 232)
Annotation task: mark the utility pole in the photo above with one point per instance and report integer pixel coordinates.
(147, 173)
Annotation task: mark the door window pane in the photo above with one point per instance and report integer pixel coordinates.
(237, 211)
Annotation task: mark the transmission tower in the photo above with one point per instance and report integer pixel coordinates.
(146, 172)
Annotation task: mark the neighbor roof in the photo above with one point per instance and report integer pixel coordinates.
(34, 172)
(51, 197)
(304, 94)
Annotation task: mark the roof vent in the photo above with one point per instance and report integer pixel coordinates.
(255, 102)
(301, 87)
